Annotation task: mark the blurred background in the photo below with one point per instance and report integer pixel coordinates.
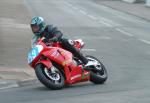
(115, 31)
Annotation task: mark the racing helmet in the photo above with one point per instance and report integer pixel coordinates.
(37, 25)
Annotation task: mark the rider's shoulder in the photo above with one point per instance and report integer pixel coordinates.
(51, 28)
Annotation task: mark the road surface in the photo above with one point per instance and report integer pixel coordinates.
(121, 41)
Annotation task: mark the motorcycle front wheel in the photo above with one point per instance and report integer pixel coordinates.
(51, 78)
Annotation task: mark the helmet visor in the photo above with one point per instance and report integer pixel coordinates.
(35, 28)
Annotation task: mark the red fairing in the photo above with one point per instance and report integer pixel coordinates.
(54, 53)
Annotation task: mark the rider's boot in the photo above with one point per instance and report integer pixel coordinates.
(89, 64)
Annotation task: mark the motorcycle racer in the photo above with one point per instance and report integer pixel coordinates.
(52, 34)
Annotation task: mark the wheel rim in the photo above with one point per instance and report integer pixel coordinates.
(98, 64)
(53, 74)
(100, 71)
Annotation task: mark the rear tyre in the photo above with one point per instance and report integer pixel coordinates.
(98, 76)
(51, 78)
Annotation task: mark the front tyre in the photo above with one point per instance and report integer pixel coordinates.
(51, 78)
(98, 76)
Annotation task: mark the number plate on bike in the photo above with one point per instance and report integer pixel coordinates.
(34, 52)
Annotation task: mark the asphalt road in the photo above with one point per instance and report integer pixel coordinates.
(121, 41)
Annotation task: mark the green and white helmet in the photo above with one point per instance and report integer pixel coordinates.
(38, 25)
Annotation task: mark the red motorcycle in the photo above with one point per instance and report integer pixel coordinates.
(56, 67)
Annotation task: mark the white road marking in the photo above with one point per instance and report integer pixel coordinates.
(108, 21)
(105, 23)
(83, 12)
(104, 38)
(89, 50)
(102, 20)
(145, 41)
(92, 17)
(68, 4)
(124, 32)
(10, 86)
(75, 8)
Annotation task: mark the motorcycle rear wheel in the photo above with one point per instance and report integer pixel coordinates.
(51, 78)
(98, 76)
